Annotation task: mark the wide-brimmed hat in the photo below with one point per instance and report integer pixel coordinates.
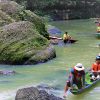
(79, 67)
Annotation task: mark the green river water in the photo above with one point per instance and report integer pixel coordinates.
(55, 72)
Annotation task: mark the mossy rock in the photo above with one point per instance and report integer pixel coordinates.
(5, 19)
(11, 8)
(32, 17)
(18, 13)
(20, 41)
(22, 36)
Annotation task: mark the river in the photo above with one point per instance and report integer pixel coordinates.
(55, 72)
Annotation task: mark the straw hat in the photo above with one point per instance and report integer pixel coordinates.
(79, 67)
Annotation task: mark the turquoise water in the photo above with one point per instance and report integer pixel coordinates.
(55, 72)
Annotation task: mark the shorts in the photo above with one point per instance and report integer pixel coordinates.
(95, 74)
(77, 83)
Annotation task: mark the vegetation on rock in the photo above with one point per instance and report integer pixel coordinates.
(17, 12)
(5, 19)
(22, 36)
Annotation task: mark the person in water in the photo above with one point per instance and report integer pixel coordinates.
(76, 77)
(66, 38)
(95, 69)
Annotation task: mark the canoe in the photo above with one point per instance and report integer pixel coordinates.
(88, 85)
(97, 35)
(73, 41)
(53, 38)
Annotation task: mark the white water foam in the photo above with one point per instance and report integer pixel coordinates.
(9, 95)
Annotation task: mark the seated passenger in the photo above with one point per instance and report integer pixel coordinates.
(96, 69)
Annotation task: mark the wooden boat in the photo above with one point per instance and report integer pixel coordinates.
(88, 85)
(54, 37)
(97, 35)
(73, 41)
(58, 38)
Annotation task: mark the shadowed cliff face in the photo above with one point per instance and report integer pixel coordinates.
(65, 9)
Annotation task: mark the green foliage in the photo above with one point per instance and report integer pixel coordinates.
(75, 8)
(39, 24)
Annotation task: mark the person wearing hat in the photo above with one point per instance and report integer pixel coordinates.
(96, 69)
(77, 77)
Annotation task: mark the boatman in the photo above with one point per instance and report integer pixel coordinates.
(98, 25)
(76, 77)
(96, 69)
(66, 38)
(98, 29)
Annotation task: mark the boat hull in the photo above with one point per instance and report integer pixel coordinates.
(56, 40)
(88, 85)
(97, 35)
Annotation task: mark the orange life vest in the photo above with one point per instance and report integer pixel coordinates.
(95, 67)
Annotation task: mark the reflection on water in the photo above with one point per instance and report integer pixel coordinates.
(55, 72)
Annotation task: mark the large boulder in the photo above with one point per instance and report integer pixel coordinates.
(18, 12)
(33, 93)
(21, 43)
(22, 36)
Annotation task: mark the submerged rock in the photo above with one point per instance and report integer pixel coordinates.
(33, 93)
(7, 72)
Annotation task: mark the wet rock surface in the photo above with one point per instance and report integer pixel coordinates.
(7, 72)
(33, 93)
